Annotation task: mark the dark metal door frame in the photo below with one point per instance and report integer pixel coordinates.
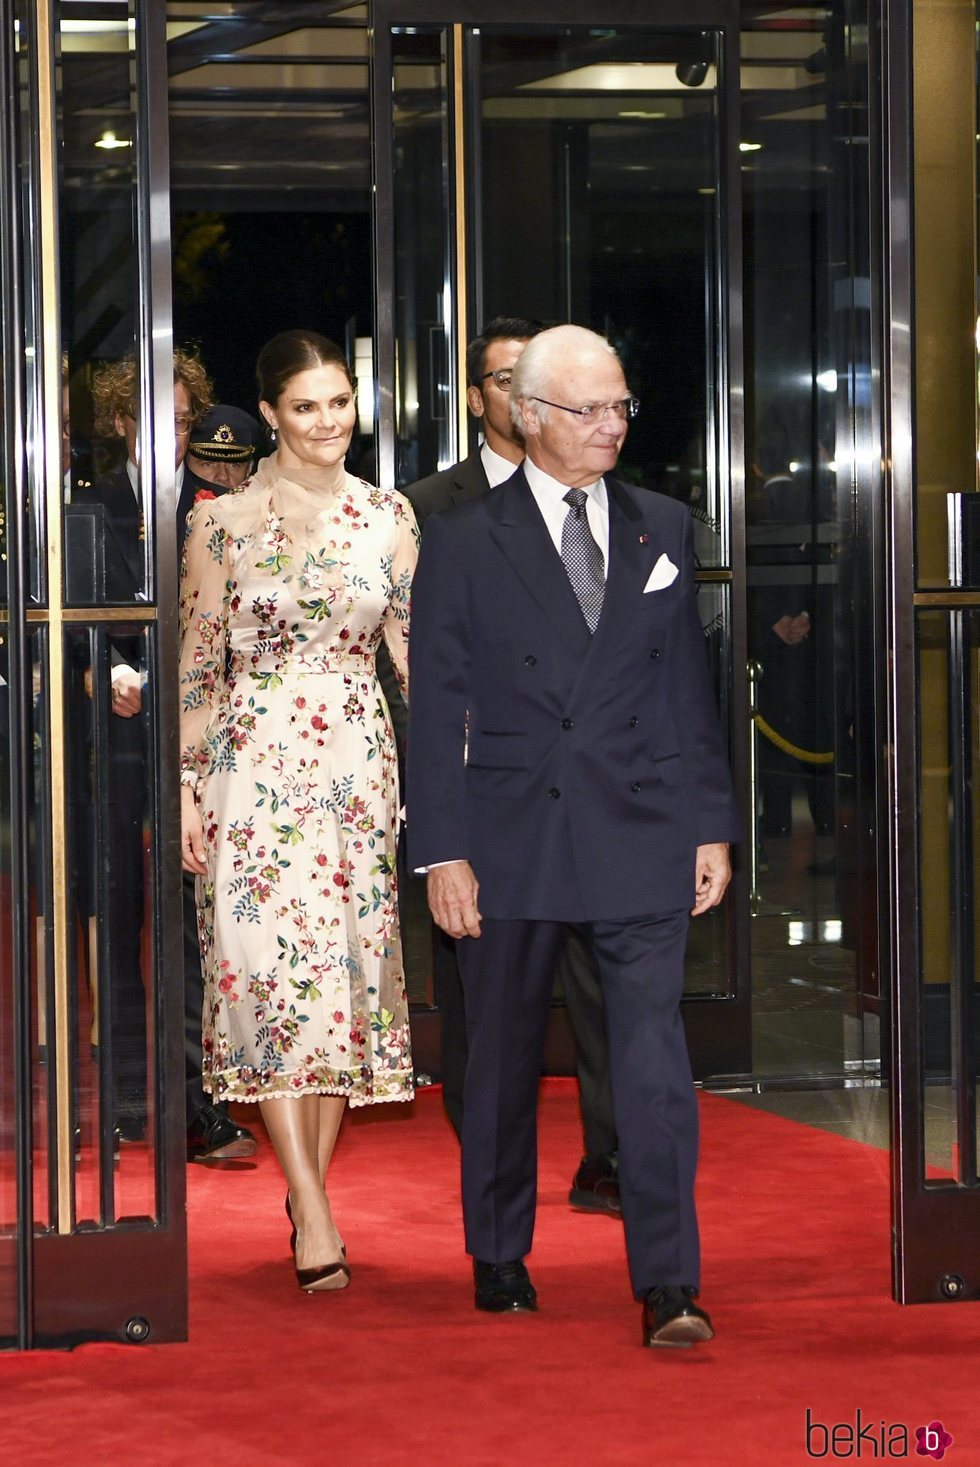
(104, 1281)
(936, 1224)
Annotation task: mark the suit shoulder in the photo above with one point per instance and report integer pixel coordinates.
(670, 515)
(430, 495)
(105, 487)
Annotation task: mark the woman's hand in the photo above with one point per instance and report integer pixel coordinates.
(191, 834)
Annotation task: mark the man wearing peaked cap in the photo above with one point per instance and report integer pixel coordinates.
(223, 446)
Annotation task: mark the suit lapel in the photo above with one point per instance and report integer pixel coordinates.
(521, 533)
(470, 480)
(122, 518)
(628, 560)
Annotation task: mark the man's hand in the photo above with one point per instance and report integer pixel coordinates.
(191, 834)
(792, 629)
(712, 873)
(452, 893)
(127, 694)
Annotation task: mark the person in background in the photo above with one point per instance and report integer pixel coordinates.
(490, 361)
(223, 446)
(115, 393)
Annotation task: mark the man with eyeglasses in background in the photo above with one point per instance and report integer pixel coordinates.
(490, 361)
(212, 1134)
(568, 766)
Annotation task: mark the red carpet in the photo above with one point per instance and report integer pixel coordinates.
(400, 1369)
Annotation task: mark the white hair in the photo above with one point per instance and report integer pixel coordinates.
(536, 367)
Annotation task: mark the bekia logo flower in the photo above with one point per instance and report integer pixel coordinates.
(932, 1441)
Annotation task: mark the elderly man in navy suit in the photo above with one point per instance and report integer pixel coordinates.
(567, 765)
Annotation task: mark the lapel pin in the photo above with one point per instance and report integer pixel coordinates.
(644, 539)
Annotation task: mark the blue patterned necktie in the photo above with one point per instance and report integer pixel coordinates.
(582, 558)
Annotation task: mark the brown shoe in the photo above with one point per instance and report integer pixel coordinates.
(672, 1319)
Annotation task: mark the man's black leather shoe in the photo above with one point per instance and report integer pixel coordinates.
(214, 1136)
(129, 1128)
(503, 1288)
(595, 1186)
(671, 1318)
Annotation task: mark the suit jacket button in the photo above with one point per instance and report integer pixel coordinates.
(529, 660)
(636, 788)
(655, 653)
(567, 723)
(634, 722)
(555, 794)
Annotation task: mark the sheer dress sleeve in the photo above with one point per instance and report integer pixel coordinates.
(403, 563)
(204, 597)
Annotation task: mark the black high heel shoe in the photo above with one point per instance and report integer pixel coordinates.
(330, 1276)
(292, 1236)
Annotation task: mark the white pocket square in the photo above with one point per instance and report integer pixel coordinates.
(664, 573)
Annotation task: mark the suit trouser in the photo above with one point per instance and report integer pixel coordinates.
(578, 973)
(125, 863)
(507, 975)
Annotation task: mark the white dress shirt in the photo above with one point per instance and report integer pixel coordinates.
(549, 496)
(495, 466)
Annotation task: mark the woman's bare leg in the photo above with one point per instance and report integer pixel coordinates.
(331, 1114)
(293, 1124)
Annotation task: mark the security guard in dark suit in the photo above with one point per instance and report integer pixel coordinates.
(220, 455)
(212, 1135)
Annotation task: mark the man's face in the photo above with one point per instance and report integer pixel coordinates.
(490, 402)
(574, 452)
(127, 427)
(219, 471)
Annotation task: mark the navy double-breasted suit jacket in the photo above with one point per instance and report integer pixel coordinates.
(577, 773)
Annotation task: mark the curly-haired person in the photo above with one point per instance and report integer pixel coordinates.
(212, 1135)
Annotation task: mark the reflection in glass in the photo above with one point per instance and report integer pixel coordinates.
(616, 138)
(948, 644)
(424, 411)
(808, 634)
(8, 1095)
(706, 971)
(107, 669)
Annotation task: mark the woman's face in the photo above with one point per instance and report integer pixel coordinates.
(314, 417)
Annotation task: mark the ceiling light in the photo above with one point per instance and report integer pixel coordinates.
(656, 115)
(749, 147)
(109, 141)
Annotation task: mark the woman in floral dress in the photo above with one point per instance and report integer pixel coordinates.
(289, 793)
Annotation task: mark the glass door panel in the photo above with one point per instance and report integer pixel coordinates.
(91, 683)
(809, 595)
(618, 134)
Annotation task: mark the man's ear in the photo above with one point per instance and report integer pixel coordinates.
(119, 423)
(530, 423)
(474, 401)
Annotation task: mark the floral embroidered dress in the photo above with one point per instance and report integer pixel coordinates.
(286, 739)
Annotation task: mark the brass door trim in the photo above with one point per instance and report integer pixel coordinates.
(946, 600)
(41, 616)
(714, 577)
(50, 385)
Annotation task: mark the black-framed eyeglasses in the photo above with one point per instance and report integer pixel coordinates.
(503, 377)
(594, 412)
